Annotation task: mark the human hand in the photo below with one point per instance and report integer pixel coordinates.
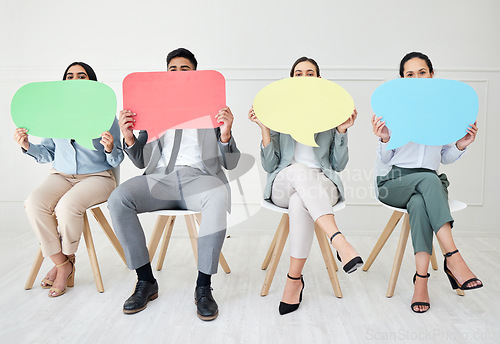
(468, 138)
(348, 123)
(226, 117)
(252, 117)
(21, 137)
(107, 141)
(380, 129)
(126, 122)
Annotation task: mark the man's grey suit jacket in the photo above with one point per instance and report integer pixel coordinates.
(214, 154)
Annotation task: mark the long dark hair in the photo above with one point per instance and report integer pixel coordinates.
(302, 59)
(412, 55)
(90, 72)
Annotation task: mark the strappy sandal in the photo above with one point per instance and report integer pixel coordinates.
(70, 281)
(419, 303)
(47, 283)
(454, 282)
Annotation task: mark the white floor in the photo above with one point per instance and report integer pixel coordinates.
(363, 315)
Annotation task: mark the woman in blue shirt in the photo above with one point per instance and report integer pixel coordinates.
(79, 179)
(413, 183)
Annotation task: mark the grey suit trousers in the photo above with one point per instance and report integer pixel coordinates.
(184, 188)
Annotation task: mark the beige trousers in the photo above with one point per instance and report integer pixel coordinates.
(60, 203)
(308, 194)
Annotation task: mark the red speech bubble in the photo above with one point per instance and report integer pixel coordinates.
(181, 100)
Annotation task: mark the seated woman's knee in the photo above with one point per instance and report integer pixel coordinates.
(416, 202)
(35, 201)
(430, 180)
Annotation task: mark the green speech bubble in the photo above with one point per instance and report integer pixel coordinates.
(71, 109)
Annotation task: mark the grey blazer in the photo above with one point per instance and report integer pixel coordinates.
(332, 155)
(214, 154)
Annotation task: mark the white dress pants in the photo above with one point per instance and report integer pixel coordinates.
(308, 194)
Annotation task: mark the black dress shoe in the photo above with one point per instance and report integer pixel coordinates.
(206, 306)
(144, 292)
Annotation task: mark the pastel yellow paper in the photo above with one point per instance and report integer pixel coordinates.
(303, 106)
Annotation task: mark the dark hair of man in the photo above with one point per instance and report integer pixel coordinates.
(303, 59)
(412, 55)
(90, 72)
(182, 52)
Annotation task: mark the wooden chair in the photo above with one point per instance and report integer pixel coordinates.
(276, 248)
(101, 219)
(166, 220)
(403, 238)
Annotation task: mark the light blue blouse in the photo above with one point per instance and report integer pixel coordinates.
(71, 158)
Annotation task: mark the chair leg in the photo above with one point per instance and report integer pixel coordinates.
(270, 251)
(329, 260)
(92, 255)
(223, 263)
(101, 219)
(169, 226)
(160, 224)
(34, 270)
(403, 239)
(386, 233)
(460, 292)
(283, 230)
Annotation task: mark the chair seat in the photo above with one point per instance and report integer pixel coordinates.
(271, 206)
(174, 212)
(97, 205)
(454, 205)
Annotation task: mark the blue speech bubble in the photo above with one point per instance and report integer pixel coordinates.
(427, 111)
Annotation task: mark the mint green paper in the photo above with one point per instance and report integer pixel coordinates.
(70, 109)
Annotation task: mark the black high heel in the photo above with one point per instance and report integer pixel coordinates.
(427, 304)
(351, 265)
(453, 281)
(286, 308)
(420, 303)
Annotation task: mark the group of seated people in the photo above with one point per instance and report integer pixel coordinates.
(184, 170)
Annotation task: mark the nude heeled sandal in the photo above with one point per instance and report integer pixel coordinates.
(47, 283)
(70, 282)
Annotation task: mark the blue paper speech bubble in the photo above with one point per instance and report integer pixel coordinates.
(427, 111)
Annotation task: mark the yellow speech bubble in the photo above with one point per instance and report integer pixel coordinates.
(303, 106)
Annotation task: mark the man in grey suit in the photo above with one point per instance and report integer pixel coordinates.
(183, 171)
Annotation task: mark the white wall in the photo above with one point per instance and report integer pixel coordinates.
(358, 44)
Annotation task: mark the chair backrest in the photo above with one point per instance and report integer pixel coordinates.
(271, 206)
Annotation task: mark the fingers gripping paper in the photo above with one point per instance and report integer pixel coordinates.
(426, 111)
(303, 106)
(167, 100)
(71, 109)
